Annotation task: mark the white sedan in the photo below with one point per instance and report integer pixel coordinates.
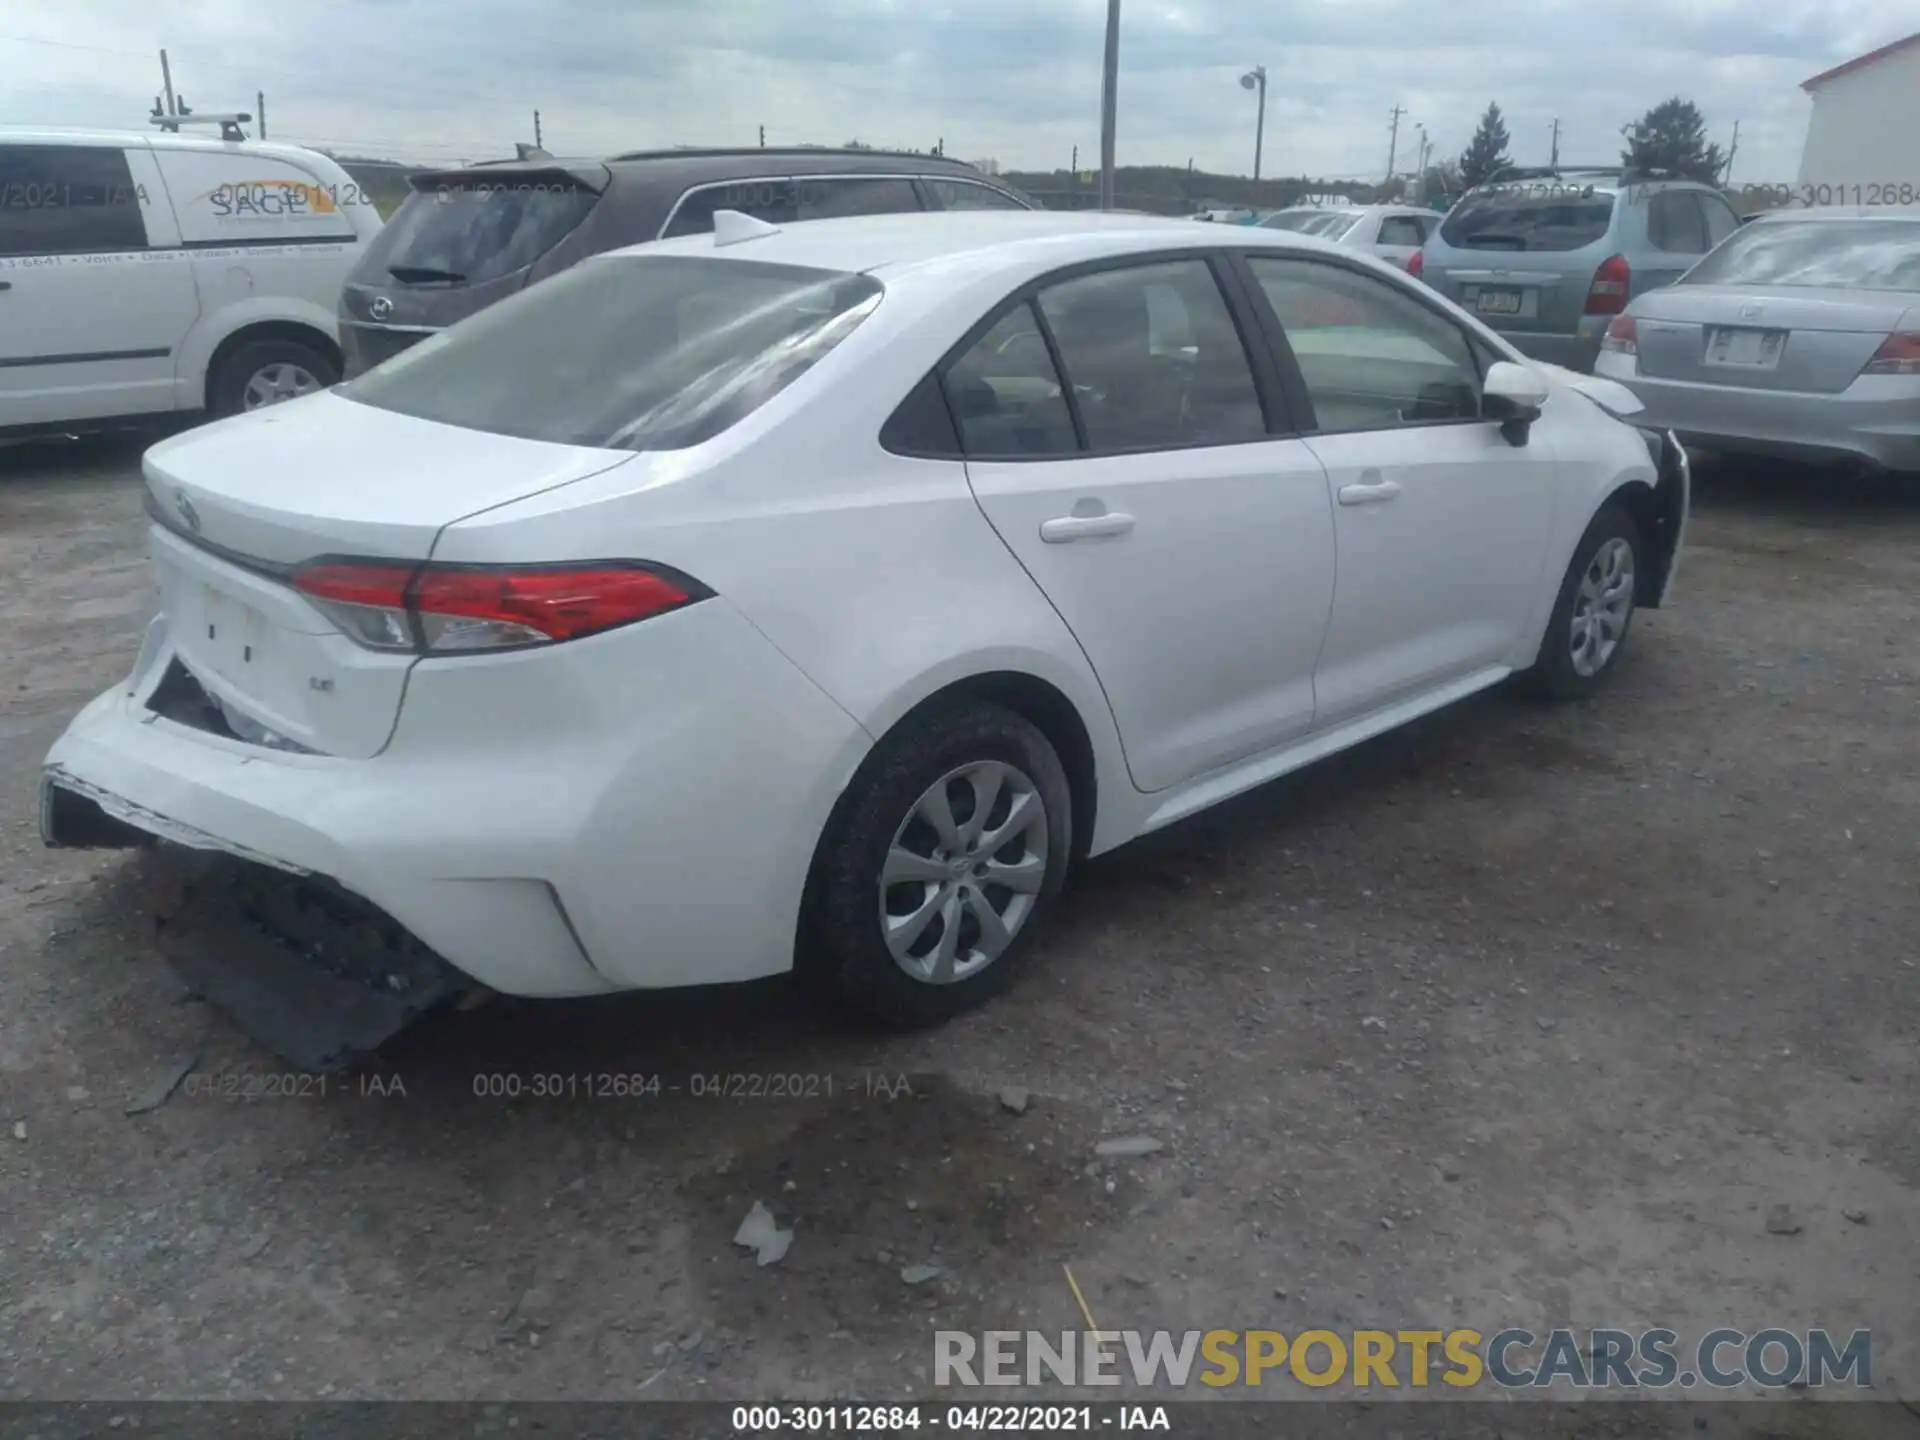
(811, 598)
(1393, 232)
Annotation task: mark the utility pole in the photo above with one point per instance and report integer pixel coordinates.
(763, 137)
(1075, 167)
(536, 132)
(1393, 140)
(166, 80)
(260, 111)
(1732, 150)
(1553, 157)
(1109, 103)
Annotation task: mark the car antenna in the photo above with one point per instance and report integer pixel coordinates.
(732, 227)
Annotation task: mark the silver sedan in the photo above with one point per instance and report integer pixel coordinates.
(1798, 336)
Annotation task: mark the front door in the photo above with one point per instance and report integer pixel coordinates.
(1441, 523)
(1189, 551)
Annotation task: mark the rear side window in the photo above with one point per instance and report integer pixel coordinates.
(1154, 358)
(966, 195)
(1675, 223)
(1006, 394)
(634, 352)
(1721, 221)
(476, 230)
(1555, 217)
(783, 200)
(1867, 254)
(68, 200)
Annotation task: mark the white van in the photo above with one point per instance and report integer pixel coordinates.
(145, 275)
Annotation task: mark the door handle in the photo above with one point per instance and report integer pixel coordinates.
(1377, 492)
(1065, 529)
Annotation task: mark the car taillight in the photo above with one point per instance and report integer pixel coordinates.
(443, 609)
(1608, 293)
(1416, 262)
(1899, 354)
(1622, 337)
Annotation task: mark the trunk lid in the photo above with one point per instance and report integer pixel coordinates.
(1793, 338)
(240, 503)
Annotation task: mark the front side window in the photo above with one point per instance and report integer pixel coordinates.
(1154, 358)
(68, 200)
(966, 195)
(652, 352)
(1006, 395)
(1371, 357)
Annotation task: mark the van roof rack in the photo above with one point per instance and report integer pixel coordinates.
(229, 123)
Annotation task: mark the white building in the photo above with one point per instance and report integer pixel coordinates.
(1866, 117)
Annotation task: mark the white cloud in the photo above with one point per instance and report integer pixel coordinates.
(436, 80)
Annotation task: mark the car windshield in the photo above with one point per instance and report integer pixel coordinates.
(1529, 217)
(626, 352)
(1865, 254)
(475, 230)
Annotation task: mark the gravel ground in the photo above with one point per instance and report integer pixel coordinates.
(1522, 1016)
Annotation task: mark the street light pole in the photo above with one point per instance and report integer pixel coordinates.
(1256, 78)
(1109, 103)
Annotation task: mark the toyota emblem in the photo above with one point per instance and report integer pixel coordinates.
(380, 308)
(187, 512)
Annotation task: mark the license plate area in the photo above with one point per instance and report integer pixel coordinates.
(1744, 349)
(1500, 300)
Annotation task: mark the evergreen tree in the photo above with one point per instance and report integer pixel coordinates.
(1672, 136)
(1486, 155)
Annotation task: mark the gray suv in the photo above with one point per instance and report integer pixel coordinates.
(468, 237)
(1548, 258)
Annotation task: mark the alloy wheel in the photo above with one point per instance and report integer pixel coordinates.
(1602, 605)
(963, 872)
(281, 381)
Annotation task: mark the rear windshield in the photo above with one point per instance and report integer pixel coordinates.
(1312, 222)
(1546, 216)
(626, 352)
(474, 231)
(1820, 254)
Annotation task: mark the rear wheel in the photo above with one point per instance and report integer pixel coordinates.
(937, 865)
(1593, 611)
(268, 372)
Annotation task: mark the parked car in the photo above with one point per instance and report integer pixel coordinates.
(470, 236)
(1799, 336)
(1549, 258)
(1393, 232)
(822, 593)
(157, 274)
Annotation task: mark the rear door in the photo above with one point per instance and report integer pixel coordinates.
(1185, 540)
(94, 302)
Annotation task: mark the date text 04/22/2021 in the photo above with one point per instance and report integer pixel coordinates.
(959, 1419)
(700, 1085)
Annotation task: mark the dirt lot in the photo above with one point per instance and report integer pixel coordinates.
(1526, 1016)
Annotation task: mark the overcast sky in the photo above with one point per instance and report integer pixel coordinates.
(1017, 81)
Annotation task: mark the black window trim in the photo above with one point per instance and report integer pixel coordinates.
(1276, 407)
(1275, 334)
(125, 153)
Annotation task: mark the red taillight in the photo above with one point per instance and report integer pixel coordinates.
(1622, 337)
(1416, 262)
(1608, 293)
(443, 608)
(1899, 354)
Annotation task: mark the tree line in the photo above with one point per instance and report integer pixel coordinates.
(1671, 137)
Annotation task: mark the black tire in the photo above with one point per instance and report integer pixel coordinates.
(227, 386)
(843, 951)
(1554, 674)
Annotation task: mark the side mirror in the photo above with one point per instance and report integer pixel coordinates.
(1513, 395)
